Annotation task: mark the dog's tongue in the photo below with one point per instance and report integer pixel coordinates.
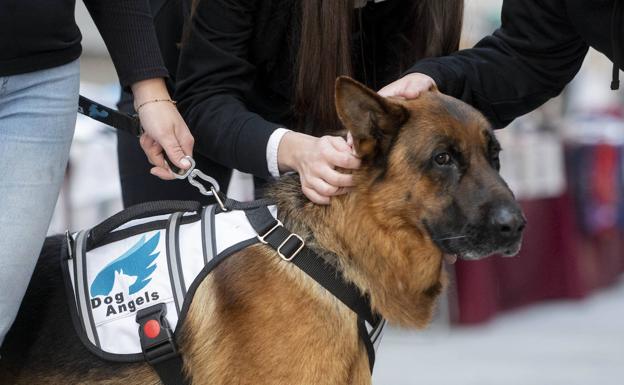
(450, 258)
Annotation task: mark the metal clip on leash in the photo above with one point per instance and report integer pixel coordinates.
(197, 178)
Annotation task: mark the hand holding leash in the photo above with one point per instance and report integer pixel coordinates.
(165, 132)
(166, 169)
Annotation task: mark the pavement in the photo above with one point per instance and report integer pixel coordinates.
(552, 343)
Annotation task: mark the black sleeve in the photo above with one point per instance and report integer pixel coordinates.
(214, 78)
(527, 61)
(128, 31)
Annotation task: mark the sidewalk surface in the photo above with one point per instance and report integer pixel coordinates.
(567, 343)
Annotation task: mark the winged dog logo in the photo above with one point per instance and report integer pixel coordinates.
(137, 262)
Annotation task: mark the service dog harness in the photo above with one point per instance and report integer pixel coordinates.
(143, 265)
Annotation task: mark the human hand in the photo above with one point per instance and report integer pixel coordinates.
(165, 130)
(409, 86)
(315, 159)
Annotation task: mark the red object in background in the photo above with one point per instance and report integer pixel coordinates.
(556, 261)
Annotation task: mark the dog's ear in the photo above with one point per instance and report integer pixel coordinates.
(372, 119)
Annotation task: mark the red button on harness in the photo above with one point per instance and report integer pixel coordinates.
(151, 329)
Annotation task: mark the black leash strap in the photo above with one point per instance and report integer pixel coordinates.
(292, 248)
(109, 116)
(127, 123)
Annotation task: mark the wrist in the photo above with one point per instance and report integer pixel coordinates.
(287, 151)
(149, 89)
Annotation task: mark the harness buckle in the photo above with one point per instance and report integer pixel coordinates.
(263, 237)
(157, 339)
(297, 250)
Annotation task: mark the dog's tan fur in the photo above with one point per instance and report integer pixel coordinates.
(259, 320)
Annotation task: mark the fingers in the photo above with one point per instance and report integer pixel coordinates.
(154, 153)
(314, 196)
(391, 89)
(164, 174)
(338, 143)
(175, 153)
(409, 86)
(152, 150)
(316, 160)
(320, 190)
(185, 139)
(350, 142)
(337, 179)
(340, 155)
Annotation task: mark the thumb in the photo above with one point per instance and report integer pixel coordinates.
(339, 144)
(176, 154)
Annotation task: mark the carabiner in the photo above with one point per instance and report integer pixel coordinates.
(213, 190)
(178, 172)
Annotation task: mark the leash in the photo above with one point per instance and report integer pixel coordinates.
(131, 124)
(116, 119)
(127, 123)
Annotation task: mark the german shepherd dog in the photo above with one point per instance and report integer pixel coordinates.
(428, 187)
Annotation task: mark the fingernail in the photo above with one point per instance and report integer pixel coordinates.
(185, 162)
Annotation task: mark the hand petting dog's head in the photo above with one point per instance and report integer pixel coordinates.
(441, 176)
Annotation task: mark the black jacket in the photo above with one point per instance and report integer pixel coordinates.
(235, 76)
(537, 51)
(40, 34)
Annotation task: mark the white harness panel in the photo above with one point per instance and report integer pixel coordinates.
(112, 282)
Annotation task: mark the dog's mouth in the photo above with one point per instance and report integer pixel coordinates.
(472, 242)
(471, 249)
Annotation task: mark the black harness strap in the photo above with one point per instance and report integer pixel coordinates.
(291, 247)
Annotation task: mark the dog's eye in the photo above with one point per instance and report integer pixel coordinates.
(443, 159)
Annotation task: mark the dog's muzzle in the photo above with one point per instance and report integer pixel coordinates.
(500, 232)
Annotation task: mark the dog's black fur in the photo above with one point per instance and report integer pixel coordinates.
(43, 334)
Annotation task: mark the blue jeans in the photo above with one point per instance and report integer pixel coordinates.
(37, 120)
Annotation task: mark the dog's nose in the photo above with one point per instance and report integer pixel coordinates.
(507, 222)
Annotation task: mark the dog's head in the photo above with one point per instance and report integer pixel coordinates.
(432, 163)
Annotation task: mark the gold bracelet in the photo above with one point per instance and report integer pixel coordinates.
(155, 101)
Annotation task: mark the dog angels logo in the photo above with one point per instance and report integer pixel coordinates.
(125, 276)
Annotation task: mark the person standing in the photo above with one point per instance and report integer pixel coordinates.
(39, 86)
(255, 79)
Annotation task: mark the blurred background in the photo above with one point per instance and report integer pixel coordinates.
(552, 315)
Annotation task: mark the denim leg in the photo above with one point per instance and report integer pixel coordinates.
(37, 120)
